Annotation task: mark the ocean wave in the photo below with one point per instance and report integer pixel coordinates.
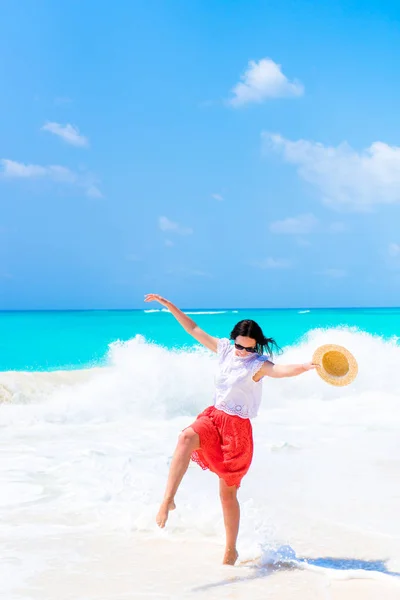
(205, 312)
(193, 312)
(155, 381)
(26, 386)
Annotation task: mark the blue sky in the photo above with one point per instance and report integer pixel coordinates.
(223, 154)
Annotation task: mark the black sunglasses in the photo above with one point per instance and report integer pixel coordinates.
(239, 347)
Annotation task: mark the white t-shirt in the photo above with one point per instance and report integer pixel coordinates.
(236, 393)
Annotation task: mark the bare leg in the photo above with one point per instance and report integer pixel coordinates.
(231, 511)
(188, 442)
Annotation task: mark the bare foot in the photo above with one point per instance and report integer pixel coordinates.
(230, 557)
(162, 515)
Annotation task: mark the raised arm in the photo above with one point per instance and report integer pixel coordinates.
(270, 370)
(187, 323)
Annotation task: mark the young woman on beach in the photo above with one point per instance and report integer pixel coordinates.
(220, 439)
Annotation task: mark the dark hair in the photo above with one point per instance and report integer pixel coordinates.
(251, 329)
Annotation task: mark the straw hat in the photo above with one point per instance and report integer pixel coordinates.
(337, 365)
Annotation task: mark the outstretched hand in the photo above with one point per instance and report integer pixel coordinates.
(310, 365)
(156, 298)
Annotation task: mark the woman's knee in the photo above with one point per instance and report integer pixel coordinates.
(189, 439)
(227, 494)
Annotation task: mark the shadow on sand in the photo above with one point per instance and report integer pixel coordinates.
(259, 570)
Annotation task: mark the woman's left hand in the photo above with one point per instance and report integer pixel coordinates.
(310, 365)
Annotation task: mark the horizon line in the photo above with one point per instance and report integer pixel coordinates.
(24, 310)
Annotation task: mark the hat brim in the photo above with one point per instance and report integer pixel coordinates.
(344, 375)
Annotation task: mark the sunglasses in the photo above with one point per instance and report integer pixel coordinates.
(240, 347)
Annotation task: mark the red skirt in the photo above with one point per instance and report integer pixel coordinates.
(226, 444)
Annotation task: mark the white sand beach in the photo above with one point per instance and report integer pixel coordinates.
(116, 567)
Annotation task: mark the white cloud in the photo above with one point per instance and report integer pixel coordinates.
(262, 80)
(169, 243)
(92, 190)
(68, 133)
(11, 169)
(217, 197)
(295, 225)
(166, 224)
(334, 273)
(273, 263)
(394, 249)
(344, 177)
(338, 227)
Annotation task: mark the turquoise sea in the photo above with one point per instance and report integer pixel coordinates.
(41, 341)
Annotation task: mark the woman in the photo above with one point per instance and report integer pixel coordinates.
(221, 439)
